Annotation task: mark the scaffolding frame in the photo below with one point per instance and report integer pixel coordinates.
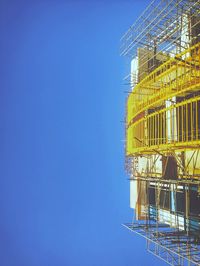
(176, 77)
(167, 236)
(160, 25)
(162, 122)
(167, 243)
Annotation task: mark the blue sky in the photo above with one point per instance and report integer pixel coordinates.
(63, 190)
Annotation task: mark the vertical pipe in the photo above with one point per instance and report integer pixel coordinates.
(186, 108)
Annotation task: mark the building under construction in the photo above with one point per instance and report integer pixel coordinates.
(162, 128)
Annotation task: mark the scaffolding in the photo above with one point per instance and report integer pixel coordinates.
(173, 236)
(172, 246)
(162, 128)
(175, 78)
(161, 27)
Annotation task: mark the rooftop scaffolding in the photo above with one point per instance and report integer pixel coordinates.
(161, 26)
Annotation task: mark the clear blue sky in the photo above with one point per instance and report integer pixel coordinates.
(63, 190)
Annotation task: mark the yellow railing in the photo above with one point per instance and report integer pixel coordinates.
(155, 123)
(175, 77)
(175, 127)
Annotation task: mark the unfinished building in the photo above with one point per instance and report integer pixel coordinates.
(162, 127)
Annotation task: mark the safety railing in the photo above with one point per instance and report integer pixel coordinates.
(176, 77)
(174, 127)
